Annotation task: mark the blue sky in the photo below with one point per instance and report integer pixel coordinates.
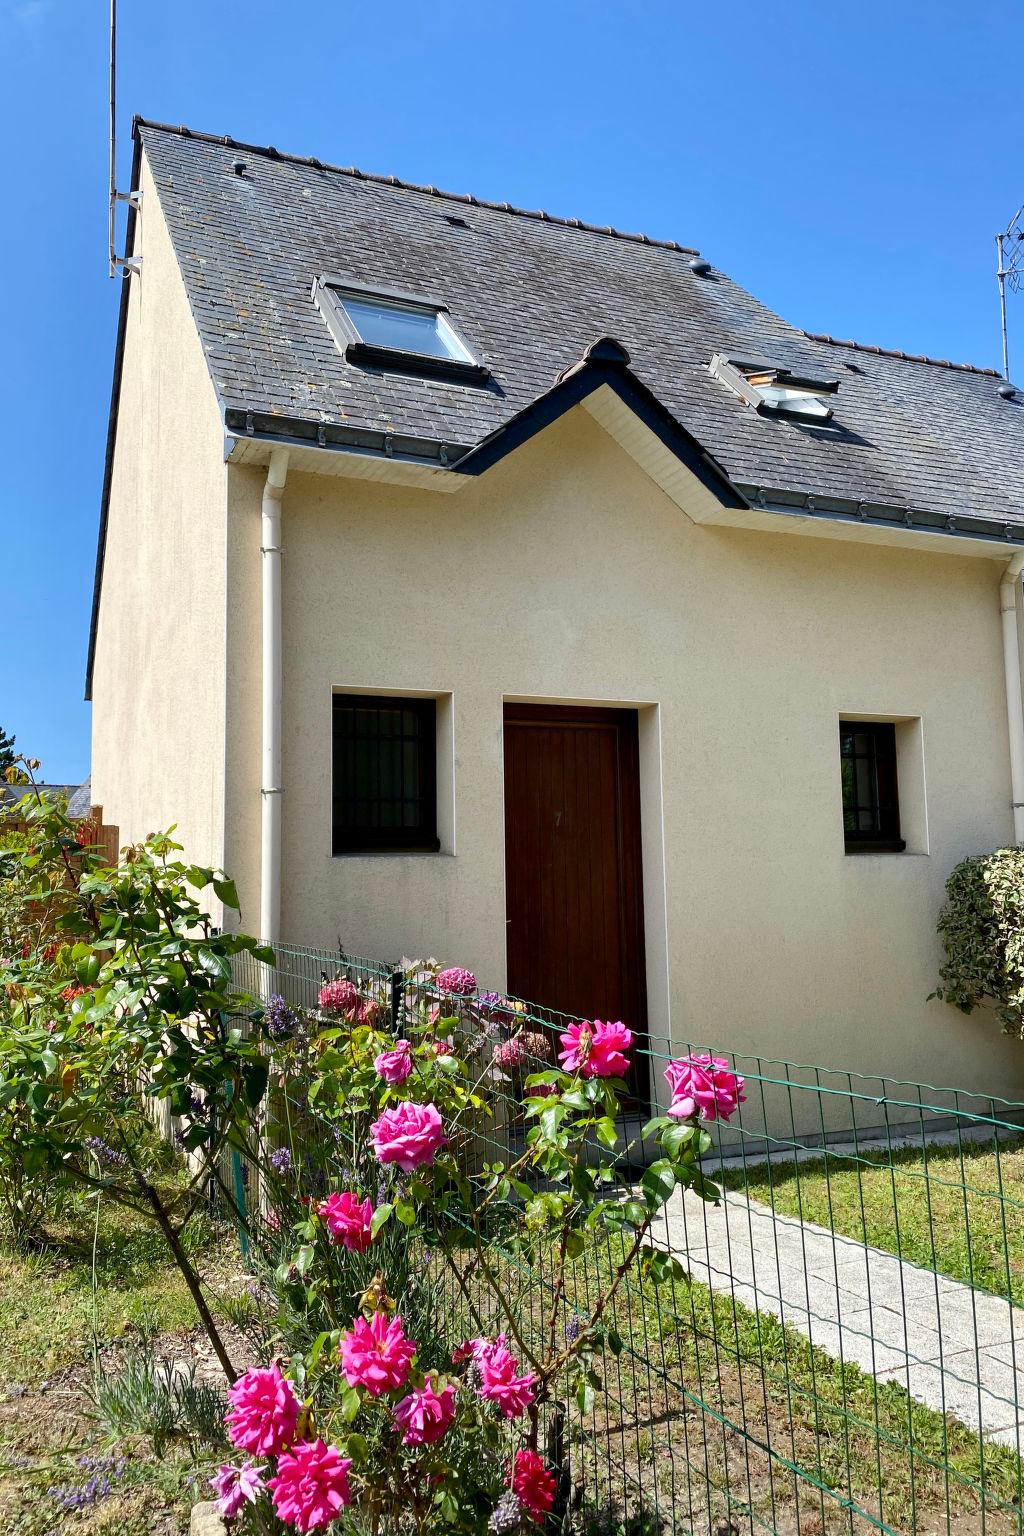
(851, 165)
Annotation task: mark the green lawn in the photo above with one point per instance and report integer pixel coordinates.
(56, 1302)
(715, 1412)
(960, 1213)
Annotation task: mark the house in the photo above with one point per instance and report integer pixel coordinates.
(482, 583)
(76, 796)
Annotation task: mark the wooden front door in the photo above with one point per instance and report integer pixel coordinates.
(573, 876)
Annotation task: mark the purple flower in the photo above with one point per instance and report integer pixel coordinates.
(105, 1472)
(103, 1152)
(573, 1329)
(236, 1486)
(281, 1160)
(280, 1020)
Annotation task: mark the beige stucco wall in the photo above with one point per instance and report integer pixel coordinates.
(565, 573)
(159, 677)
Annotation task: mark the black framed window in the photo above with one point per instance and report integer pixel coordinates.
(871, 807)
(385, 775)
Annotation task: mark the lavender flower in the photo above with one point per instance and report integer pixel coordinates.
(104, 1470)
(507, 1515)
(281, 1160)
(103, 1152)
(573, 1329)
(474, 1376)
(279, 1019)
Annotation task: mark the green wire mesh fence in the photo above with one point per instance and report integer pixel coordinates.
(847, 1352)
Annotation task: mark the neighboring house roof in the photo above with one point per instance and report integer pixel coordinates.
(530, 293)
(80, 802)
(10, 794)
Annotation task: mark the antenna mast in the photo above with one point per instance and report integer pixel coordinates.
(127, 264)
(1008, 269)
(112, 140)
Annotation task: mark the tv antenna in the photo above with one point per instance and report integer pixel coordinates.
(1009, 269)
(127, 264)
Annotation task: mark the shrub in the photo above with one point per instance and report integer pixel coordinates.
(982, 927)
(116, 989)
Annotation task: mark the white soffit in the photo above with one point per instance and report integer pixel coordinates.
(649, 452)
(349, 463)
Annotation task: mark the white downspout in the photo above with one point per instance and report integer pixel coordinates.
(1014, 707)
(270, 828)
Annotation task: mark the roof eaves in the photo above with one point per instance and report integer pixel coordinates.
(297, 431)
(605, 362)
(881, 514)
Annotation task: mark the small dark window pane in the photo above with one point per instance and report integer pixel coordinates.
(385, 787)
(871, 810)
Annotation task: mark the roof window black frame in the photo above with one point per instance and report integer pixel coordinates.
(329, 294)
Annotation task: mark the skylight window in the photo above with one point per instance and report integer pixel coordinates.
(778, 390)
(395, 331)
(399, 327)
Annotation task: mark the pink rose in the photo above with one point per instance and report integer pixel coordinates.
(455, 982)
(235, 1487)
(311, 1485)
(394, 1066)
(348, 1221)
(425, 1415)
(409, 1135)
(264, 1412)
(533, 1485)
(595, 1049)
(499, 1383)
(338, 996)
(376, 1354)
(703, 1085)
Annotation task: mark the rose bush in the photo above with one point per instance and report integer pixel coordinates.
(433, 1194)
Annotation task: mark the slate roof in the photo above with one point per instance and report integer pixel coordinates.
(530, 292)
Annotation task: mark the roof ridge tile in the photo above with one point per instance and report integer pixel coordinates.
(272, 153)
(907, 357)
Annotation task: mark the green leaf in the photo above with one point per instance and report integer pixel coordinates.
(351, 1402)
(585, 1397)
(357, 1448)
(226, 892)
(255, 1082)
(317, 1349)
(606, 1132)
(677, 1137)
(614, 1341)
(661, 1267)
(658, 1182)
(574, 1244)
(406, 1212)
(380, 1216)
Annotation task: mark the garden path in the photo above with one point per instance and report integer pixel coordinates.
(956, 1349)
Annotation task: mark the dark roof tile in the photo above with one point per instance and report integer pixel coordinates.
(530, 291)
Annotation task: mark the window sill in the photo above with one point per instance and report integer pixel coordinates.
(393, 853)
(883, 846)
(452, 368)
